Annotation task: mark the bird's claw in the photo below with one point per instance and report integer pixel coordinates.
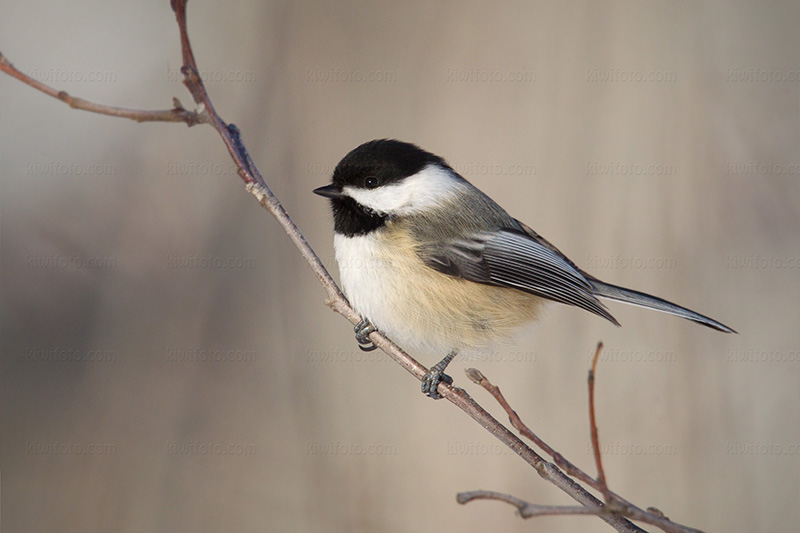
(431, 380)
(436, 375)
(363, 329)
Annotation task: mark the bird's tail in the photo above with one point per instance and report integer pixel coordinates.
(629, 296)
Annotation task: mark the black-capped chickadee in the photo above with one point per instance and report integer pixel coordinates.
(434, 263)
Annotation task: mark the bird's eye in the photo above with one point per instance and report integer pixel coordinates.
(371, 182)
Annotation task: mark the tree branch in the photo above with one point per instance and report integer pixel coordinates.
(598, 459)
(615, 504)
(256, 185)
(527, 510)
(176, 114)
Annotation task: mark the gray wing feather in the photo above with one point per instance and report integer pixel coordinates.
(510, 258)
(517, 257)
(630, 296)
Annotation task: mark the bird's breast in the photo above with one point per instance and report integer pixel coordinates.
(387, 282)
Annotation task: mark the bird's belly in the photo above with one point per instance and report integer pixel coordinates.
(420, 307)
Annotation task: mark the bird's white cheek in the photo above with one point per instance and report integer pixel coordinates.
(389, 199)
(424, 190)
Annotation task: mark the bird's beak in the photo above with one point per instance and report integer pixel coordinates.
(330, 191)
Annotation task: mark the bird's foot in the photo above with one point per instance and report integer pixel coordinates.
(363, 329)
(436, 375)
(430, 383)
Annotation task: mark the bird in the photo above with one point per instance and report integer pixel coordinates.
(430, 260)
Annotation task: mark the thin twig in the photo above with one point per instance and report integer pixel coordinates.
(616, 503)
(477, 377)
(526, 509)
(176, 114)
(598, 460)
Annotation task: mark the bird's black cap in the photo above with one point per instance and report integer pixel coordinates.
(385, 160)
(371, 165)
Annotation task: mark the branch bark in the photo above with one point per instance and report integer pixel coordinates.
(615, 503)
(526, 509)
(176, 114)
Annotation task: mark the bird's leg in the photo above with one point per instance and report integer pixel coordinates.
(363, 329)
(430, 382)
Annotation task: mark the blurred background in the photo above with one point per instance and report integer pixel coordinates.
(167, 360)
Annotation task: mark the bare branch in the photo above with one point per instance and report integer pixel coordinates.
(527, 510)
(477, 377)
(598, 461)
(176, 114)
(616, 504)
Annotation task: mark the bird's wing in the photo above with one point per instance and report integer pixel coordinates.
(630, 296)
(517, 259)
